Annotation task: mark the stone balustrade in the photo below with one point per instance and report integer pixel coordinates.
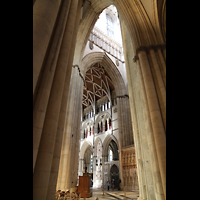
(106, 43)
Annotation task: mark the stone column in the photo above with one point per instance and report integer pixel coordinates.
(47, 143)
(158, 191)
(162, 62)
(63, 110)
(161, 86)
(120, 120)
(129, 129)
(44, 89)
(164, 52)
(43, 24)
(68, 133)
(103, 177)
(124, 118)
(155, 115)
(119, 110)
(142, 135)
(94, 168)
(70, 145)
(60, 130)
(81, 167)
(132, 80)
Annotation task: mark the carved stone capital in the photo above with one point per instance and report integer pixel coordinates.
(141, 48)
(154, 47)
(148, 48)
(135, 58)
(161, 46)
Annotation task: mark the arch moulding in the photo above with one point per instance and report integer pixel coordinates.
(109, 66)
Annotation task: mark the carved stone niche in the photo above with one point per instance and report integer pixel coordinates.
(128, 155)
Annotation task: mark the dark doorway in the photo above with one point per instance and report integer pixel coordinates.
(114, 174)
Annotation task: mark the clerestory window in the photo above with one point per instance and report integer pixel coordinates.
(110, 26)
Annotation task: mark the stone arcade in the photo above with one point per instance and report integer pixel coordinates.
(95, 104)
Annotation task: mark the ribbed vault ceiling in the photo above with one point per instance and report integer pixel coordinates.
(97, 84)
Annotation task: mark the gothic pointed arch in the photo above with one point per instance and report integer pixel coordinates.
(106, 143)
(135, 19)
(116, 77)
(86, 145)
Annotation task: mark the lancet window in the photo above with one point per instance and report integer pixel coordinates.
(98, 128)
(106, 126)
(110, 124)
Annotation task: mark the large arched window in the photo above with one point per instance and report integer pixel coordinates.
(110, 26)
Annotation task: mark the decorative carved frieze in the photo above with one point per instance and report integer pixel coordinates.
(105, 43)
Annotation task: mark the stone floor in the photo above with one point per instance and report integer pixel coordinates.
(113, 194)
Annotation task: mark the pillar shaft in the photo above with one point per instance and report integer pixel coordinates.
(41, 102)
(155, 115)
(159, 78)
(70, 144)
(153, 161)
(163, 64)
(47, 143)
(63, 110)
(74, 147)
(43, 23)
